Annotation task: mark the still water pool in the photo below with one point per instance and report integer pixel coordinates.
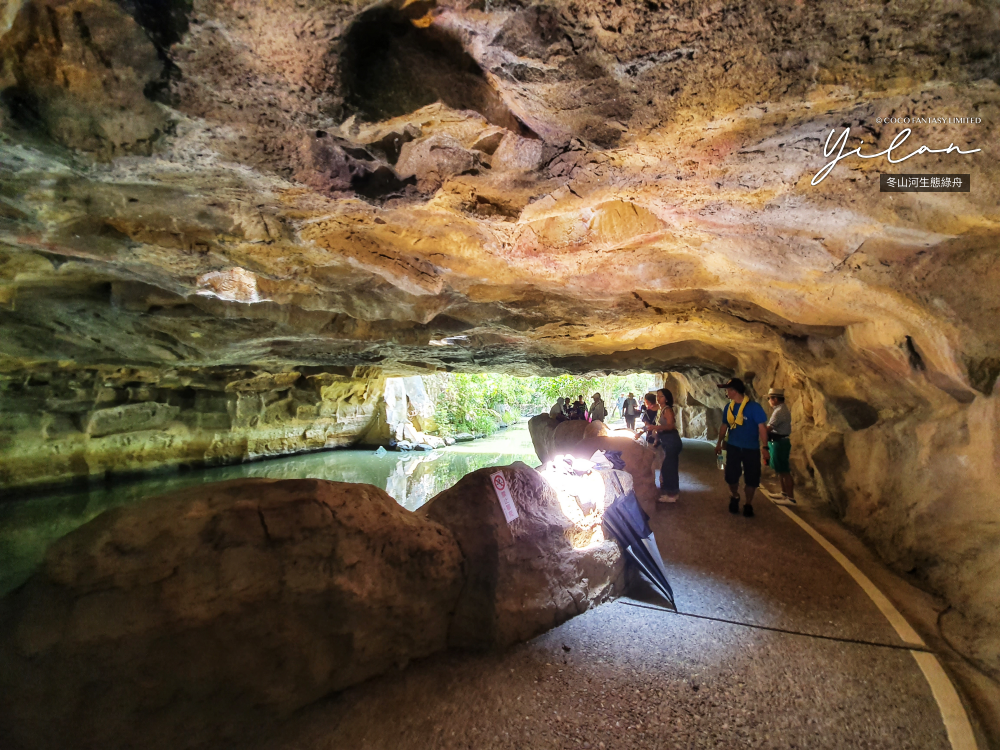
(29, 525)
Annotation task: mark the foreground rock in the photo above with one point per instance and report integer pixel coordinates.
(524, 577)
(187, 620)
(181, 618)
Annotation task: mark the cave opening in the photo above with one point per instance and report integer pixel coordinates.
(394, 65)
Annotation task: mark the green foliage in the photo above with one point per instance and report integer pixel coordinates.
(479, 403)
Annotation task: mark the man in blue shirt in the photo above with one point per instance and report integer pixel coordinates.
(745, 423)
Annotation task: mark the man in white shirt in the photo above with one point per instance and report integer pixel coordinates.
(779, 430)
(558, 410)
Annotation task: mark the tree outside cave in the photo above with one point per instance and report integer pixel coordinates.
(479, 404)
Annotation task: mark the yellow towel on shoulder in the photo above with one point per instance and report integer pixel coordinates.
(736, 419)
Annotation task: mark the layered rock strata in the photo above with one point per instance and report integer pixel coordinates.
(89, 423)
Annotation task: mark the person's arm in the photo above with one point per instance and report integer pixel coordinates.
(770, 425)
(722, 436)
(669, 423)
(765, 454)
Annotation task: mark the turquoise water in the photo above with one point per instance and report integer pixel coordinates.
(28, 526)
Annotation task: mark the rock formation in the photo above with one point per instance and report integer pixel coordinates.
(177, 618)
(192, 617)
(96, 422)
(587, 186)
(62, 425)
(580, 439)
(525, 577)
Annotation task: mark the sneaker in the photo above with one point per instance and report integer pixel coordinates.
(784, 500)
(734, 505)
(668, 498)
(748, 511)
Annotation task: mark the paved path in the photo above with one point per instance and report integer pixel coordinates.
(627, 676)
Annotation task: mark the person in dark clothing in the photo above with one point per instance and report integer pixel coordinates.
(670, 441)
(744, 432)
(648, 416)
(629, 410)
(568, 407)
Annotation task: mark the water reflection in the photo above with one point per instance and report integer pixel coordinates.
(28, 526)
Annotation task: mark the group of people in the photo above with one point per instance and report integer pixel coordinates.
(565, 408)
(749, 437)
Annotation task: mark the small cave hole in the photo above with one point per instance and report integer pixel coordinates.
(858, 414)
(393, 68)
(23, 109)
(916, 361)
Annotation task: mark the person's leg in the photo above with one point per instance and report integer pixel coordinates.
(787, 485)
(751, 478)
(732, 476)
(780, 460)
(670, 483)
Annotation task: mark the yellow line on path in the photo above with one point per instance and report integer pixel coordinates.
(902, 627)
(956, 720)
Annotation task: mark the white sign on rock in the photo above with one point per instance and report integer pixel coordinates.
(504, 496)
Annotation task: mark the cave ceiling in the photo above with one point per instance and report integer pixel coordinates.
(572, 186)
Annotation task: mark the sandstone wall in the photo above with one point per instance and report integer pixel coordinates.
(87, 423)
(923, 489)
(698, 403)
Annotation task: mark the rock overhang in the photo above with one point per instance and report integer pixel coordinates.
(596, 189)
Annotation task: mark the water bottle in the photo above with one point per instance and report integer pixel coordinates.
(721, 460)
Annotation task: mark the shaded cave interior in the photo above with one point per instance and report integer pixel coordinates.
(394, 65)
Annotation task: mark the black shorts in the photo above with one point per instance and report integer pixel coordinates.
(745, 461)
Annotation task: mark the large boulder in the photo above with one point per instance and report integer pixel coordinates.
(551, 437)
(178, 620)
(524, 577)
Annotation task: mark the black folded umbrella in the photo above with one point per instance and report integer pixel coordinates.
(626, 522)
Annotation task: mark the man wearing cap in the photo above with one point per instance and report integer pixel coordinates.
(779, 428)
(744, 430)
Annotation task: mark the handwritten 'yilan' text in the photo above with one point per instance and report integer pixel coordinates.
(841, 143)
